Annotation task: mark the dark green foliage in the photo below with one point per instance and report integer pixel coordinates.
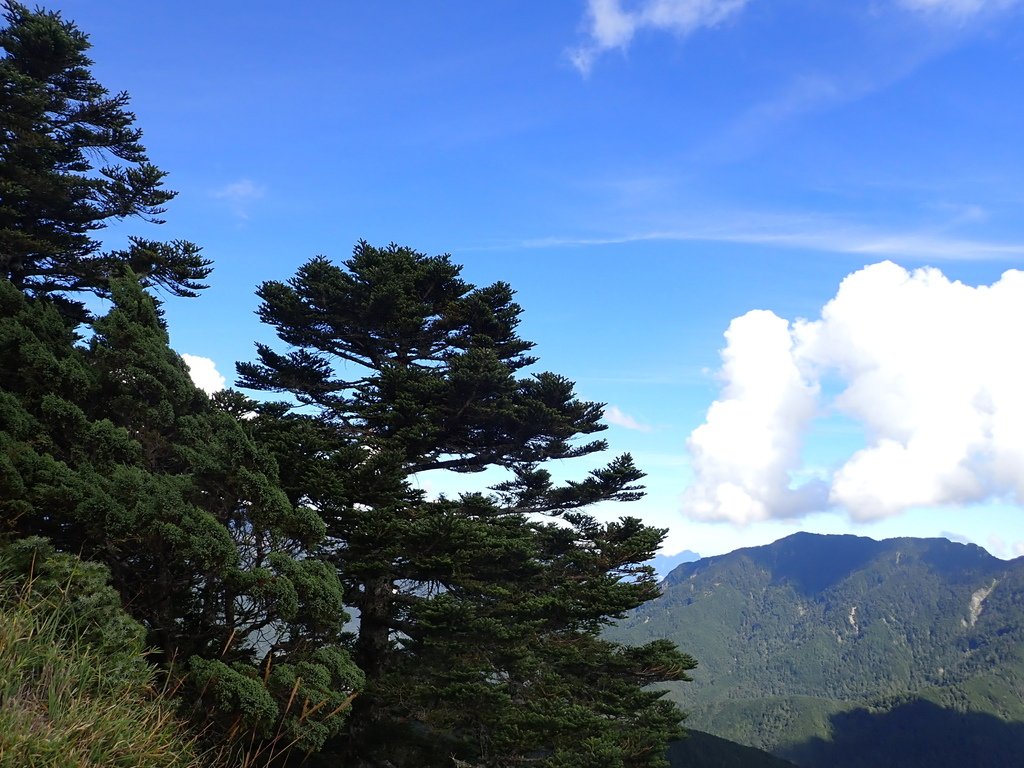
(229, 529)
(41, 371)
(479, 623)
(75, 687)
(33, 571)
(789, 666)
(525, 672)
(71, 161)
(111, 451)
(914, 734)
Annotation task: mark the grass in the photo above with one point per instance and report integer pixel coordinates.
(66, 704)
(76, 689)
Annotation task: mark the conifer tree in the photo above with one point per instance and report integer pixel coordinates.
(110, 451)
(113, 453)
(479, 621)
(71, 160)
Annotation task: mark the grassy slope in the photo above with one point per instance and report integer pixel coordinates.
(75, 696)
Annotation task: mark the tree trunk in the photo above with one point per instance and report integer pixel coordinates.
(371, 652)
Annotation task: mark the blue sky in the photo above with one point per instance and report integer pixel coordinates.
(645, 174)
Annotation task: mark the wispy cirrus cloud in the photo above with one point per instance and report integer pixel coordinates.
(613, 415)
(815, 234)
(612, 26)
(240, 195)
(956, 8)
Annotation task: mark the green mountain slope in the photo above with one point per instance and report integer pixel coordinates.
(702, 750)
(827, 649)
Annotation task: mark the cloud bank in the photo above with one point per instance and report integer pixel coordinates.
(204, 373)
(610, 25)
(931, 369)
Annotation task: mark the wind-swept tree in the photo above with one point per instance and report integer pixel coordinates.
(109, 450)
(479, 615)
(71, 161)
(113, 453)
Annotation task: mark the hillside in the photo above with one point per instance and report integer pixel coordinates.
(76, 689)
(702, 750)
(844, 651)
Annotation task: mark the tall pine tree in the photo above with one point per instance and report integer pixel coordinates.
(71, 160)
(479, 618)
(110, 450)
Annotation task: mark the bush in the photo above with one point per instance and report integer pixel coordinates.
(75, 689)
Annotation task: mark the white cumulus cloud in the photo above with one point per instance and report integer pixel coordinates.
(611, 25)
(929, 367)
(204, 373)
(750, 441)
(614, 415)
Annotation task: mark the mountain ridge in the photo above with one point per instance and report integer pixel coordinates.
(796, 636)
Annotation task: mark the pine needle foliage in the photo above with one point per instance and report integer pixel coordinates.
(479, 615)
(110, 451)
(71, 161)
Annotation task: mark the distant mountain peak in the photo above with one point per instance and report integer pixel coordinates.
(664, 564)
(813, 562)
(816, 642)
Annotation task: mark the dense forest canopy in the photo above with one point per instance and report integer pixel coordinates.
(843, 651)
(237, 532)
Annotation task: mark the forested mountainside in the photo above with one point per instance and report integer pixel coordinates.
(845, 651)
(703, 750)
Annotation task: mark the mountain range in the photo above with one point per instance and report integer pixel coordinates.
(842, 651)
(664, 564)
